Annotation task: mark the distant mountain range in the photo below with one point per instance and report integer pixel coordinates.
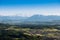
(34, 18)
(43, 18)
(11, 19)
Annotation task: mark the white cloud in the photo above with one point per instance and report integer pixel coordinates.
(29, 11)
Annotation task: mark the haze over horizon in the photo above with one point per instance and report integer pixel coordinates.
(27, 8)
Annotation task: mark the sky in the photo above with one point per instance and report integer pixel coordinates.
(28, 8)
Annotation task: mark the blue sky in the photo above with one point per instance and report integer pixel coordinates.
(29, 7)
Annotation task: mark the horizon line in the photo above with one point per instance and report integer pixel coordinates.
(30, 16)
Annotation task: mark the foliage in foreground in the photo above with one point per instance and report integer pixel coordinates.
(8, 32)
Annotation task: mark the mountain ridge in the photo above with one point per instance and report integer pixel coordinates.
(34, 18)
